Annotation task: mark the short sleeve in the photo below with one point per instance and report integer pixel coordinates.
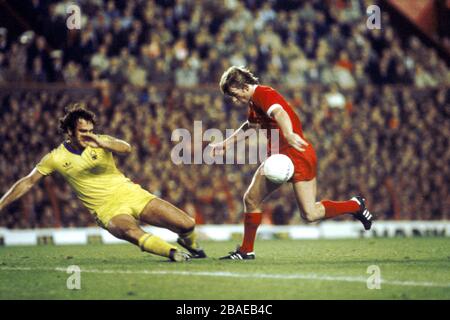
(47, 164)
(265, 98)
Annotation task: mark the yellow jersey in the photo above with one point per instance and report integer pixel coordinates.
(92, 173)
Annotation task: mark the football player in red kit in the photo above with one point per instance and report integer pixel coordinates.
(269, 110)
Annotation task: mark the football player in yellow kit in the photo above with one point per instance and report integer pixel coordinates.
(86, 162)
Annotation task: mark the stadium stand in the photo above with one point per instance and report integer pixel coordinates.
(375, 104)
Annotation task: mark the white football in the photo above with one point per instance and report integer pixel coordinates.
(278, 168)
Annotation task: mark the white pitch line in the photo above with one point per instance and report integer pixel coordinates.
(306, 276)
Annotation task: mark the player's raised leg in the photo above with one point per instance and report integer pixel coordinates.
(162, 214)
(126, 227)
(259, 189)
(305, 192)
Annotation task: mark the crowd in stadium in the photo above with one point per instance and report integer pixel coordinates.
(394, 149)
(191, 42)
(388, 142)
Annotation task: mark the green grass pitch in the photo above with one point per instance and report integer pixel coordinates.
(411, 268)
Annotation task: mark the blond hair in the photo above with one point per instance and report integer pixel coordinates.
(236, 77)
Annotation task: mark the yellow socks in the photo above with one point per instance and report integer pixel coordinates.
(190, 238)
(153, 244)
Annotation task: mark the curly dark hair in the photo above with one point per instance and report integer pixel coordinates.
(74, 112)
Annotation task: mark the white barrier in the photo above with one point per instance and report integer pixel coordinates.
(324, 230)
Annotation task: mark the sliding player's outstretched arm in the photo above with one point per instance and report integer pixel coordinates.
(107, 142)
(20, 188)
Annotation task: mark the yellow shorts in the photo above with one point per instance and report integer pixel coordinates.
(129, 199)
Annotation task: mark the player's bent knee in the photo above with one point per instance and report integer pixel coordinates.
(114, 229)
(183, 224)
(188, 226)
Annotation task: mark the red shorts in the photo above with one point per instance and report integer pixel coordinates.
(305, 163)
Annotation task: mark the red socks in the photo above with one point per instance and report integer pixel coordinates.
(337, 208)
(253, 220)
(251, 224)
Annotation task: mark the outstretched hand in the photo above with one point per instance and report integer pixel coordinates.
(297, 142)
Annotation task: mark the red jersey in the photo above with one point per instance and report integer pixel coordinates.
(260, 112)
(260, 109)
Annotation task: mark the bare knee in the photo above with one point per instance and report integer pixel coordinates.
(182, 224)
(187, 226)
(251, 204)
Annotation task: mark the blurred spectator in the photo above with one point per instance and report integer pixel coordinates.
(135, 74)
(3, 40)
(394, 150)
(147, 59)
(99, 60)
(423, 78)
(71, 73)
(38, 74)
(331, 38)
